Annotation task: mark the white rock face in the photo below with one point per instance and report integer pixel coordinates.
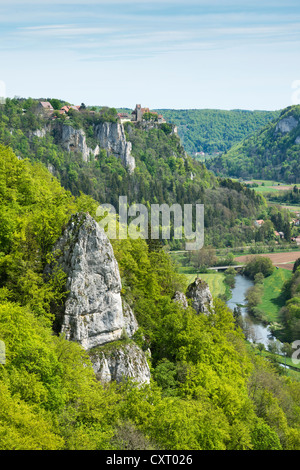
(297, 141)
(286, 124)
(130, 322)
(40, 133)
(93, 312)
(121, 362)
(51, 168)
(200, 294)
(75, 139)
(181, 299)
(111, 136)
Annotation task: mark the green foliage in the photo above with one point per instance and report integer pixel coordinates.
(214, 130)
(23, 427)
(259, 264)
(290, 313)
(230, 274)
(264, 438)
(207, 390)
(253, 297)
(150, 116)
(268, 154)
(164, 173)
(296, 265)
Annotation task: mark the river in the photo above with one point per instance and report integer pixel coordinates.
(257, 332)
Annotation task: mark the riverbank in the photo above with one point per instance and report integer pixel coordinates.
(254, 330)
(273, 298)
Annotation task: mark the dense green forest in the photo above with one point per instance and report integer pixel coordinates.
(215, 130)
(270, 154)
(208, 391)
(164, 172)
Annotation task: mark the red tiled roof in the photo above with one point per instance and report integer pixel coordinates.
(46, 104)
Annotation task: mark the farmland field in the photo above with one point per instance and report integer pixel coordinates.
(265, 186)
(281, 260)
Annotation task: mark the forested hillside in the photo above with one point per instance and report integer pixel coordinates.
(272, 153)
(215, 130)
(164, 173)
(208, 390)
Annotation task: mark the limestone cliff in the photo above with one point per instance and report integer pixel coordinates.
(287, 124)
(75, 140)
(201, 296)
(111, 136)
(94, 313)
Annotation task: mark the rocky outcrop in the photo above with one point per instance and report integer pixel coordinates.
(286, 124)
(94, 314)
(130, 322)
(111, 136)
(201, 297)
(119, 362)
(297, 141)
(93, 311)
(75, 140)
(181, 299)
(40, 132)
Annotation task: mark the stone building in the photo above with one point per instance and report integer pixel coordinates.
(137, 113)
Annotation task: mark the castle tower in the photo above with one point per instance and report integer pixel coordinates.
(139, 114)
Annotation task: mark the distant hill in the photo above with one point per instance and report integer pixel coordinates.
(271, 153)
(215, 130)
(164, 173)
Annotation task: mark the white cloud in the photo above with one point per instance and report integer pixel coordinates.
(65, 30)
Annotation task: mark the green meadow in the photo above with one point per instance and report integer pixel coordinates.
(273, 299)
(267, 186)
(214, 280)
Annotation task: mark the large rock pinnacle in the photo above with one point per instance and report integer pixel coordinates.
(93, 312)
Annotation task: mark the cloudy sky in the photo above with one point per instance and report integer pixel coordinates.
(181, 54)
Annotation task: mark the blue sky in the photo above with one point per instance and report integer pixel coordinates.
(160, 53)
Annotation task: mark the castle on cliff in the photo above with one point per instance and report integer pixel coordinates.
(137, 115)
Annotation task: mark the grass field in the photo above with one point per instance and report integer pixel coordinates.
(215, 282)
(272, 299)
(265, 186)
